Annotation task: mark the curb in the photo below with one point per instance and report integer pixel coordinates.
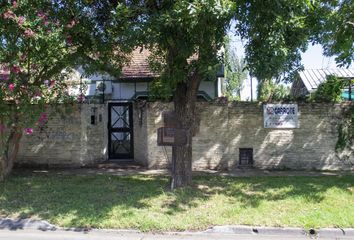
(236, 229)
(10, 224)
(336, 232)
(278, 231)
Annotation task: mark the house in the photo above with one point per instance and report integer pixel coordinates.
(309, 80)
(135, 80)
(120, 93)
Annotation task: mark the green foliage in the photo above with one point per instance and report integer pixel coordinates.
(35, 47)
(346, 132)
(184, 37)
(330, 90)
(159, 91)
(281, 93)
(271, 91)
(333, 27)
(40, 42)
(235, 72)
(275, 33)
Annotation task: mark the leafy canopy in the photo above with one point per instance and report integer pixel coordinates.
(40, 41)
(184, 36)
(275, 33)
(333, 23)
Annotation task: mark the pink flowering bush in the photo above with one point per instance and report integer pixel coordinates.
(11, 87)
(29, 131)
(40, 41)
(36, 45)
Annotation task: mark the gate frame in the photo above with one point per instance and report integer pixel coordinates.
(130, 156)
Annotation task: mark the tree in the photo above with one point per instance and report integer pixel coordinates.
(235, 71)
(39, 42)
(275, 32)
(333, 23)
(184, 37)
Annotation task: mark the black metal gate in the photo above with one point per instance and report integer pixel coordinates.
(120, 131)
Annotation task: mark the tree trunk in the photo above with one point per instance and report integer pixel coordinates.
(185, 97)
(8, 154)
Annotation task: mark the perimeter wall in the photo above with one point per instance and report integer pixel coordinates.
(72, 141)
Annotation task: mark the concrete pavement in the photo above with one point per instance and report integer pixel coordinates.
(105, 235)
(32, 234)
(28, 229)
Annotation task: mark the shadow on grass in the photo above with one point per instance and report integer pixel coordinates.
(89, 199)
(250, 192)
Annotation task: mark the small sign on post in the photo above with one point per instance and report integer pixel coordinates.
(171, 134)
(171, 137)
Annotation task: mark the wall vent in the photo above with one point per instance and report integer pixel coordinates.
(246, 157)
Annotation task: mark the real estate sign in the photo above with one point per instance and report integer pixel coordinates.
(280, 116)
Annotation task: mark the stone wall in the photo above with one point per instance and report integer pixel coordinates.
(68, 140)
(224, 129)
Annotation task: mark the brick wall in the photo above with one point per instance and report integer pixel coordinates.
(69, 139)
(224, 129)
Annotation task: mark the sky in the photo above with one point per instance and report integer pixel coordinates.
(314, 59)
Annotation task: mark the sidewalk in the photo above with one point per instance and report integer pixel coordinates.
(34, 229)
(233, 173)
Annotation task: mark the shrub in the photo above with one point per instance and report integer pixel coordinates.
(330, 90)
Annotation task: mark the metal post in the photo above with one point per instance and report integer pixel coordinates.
(104, 88)
(350, 89)
(251, 89)
(135, 88)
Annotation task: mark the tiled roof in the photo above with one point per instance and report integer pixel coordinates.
(138, 67)
(314, 77)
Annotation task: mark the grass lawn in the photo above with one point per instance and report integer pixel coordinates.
(145, 203)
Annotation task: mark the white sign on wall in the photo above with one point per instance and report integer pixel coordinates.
(280, 116)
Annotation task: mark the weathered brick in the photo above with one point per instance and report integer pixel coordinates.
(73, 141)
